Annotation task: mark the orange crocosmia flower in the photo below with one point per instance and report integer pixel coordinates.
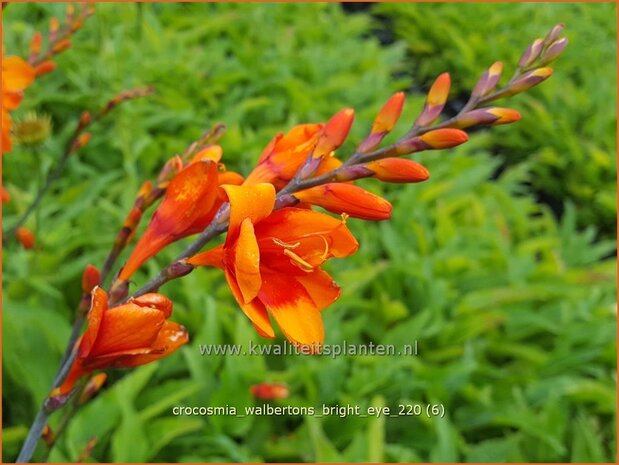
(129, 335)
(272, 262)
(189, 205)
(285, 154)
(269, 391)
(17, 75)
(25, 237)
(347, 198)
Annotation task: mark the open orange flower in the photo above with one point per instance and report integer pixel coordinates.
(189, 205)
(272, 262)
(285, 154)
(17, 75)
(129, 335)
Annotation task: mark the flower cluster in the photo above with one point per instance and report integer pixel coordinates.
(276, 240)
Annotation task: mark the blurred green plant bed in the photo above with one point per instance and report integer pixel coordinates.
(514, 311)
(568, 127)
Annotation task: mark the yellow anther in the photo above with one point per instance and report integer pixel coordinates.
(298, 261)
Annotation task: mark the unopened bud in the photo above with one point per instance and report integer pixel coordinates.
(85, 119)
(25, 237)
(385, 121)
(531, 53)
(444, 138)
(35, 44)
(54, 25)
(494, 116)
(553, 34)
(488, 80)
(334, 133)
(171, 168)
(81, 141)
(435, 101)
(44, 68)
(90, 278)
(48, 435)
(529, 80)
(554, 50)
(93, 386)
(6, 197)
(61, 45)
(398, 170)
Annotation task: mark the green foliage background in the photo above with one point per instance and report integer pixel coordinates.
(514, 308)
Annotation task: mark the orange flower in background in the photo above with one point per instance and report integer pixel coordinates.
(272, 262)
(129, 335)
(17, 75)
(269, 391)
(25, 237)
(189, 205)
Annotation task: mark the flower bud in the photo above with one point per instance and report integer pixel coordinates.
(553, 34)
(435, 101)
(528, 80)
(90, 278)
(35, 43)
(385, 121)
(493, 115)
(444, 138)
(61, 45)
(81, 141)
(531, 53)
(488, 80)
(6, 197)
(171, 168)
(554, 50)
(93, 386)
(269, 391)
(54, 25)
(334, 133)
(25, 237)
(398, 170)
(45, 68)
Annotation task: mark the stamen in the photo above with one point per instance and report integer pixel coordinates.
(298, 261)
(286, 245)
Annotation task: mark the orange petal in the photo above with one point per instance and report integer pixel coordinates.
(11, 100)
(398, 170)
(254, 202)
(210, 153)
(247, 262)
(156, 301)
(321, 288)
(444, 138)
(16, 74)
(296, 224)
(349, 199)
(254, 310)
(171, 337)
(127, 327)
(293, 309)
(213, 257)
(230, 177)
(90, 278)
(188, 204)
(98, 306)
(25, 237)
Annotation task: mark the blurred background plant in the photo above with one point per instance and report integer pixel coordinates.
(512, 300)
